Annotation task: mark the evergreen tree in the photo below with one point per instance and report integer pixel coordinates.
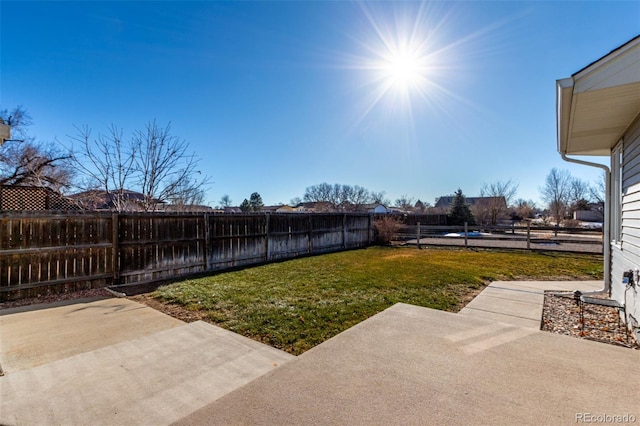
(255, 201)
(245, 207)
(460, 211)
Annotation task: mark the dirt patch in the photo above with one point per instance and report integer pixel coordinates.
(170, 309)
(53, 298)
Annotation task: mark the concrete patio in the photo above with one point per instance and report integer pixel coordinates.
(488, 364)
(117, 362)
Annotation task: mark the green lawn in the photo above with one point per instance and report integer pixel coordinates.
(300, 303)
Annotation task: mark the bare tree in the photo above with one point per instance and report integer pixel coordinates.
(225, 201)
(330, 195)
(153, 162)
(405, 202)
(18, 119)
(165, 169)
(579, 194)
(524, 209)
(342, 197)
(496, 197)
(356, 197)
(188, 198)
(507, 189)
(32, 164)
(23, 161)
(598, 190)
(108, 163)
(321, 193)
(380, 198)
(555, 192)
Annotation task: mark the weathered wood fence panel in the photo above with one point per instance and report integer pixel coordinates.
(155, 247)
(289, 236)
(46, 252)
(358, 228)
(58, 250)
(236, 240)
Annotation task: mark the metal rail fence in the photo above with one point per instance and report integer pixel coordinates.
(576, 240)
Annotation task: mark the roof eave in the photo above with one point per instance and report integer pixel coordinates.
(564, 97)
(597, 105)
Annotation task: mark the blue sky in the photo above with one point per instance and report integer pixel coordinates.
(278, 96)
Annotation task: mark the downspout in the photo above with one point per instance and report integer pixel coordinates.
(606, 226)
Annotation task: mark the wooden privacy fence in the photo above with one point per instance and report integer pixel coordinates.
(50, 252)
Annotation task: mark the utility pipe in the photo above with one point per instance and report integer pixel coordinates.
(606, 226)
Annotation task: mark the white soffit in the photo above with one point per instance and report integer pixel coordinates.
(600, 102)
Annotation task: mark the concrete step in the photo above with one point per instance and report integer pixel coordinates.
(155, 379)
(519, 303)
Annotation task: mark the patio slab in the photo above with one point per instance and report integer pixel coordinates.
(40, 334)
(413, 365)
(151, 380)
(405, 365)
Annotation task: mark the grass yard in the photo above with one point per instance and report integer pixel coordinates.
(297, 304)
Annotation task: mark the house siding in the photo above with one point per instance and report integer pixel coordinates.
(626, 255)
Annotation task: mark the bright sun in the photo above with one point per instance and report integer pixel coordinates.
(404, 55)
(411, 54)
(403, 70)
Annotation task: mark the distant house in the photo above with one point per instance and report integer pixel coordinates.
(588, 215)
(594, 213)
(598, 114)
(33, 198)
(315, 207)
(270, 209)
(376, 209)
(286, 209)
(232, 210)
(5, 131)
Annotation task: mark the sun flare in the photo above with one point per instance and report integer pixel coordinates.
(402, 56)
(403, 69)
(414, 61)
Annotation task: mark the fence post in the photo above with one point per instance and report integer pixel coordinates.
(115, 239)
(418, 234)
(207, 245)
(233, 253)
(344, 231)
(528, 235)
(466, 235)
(310, 234)
(266, 238)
